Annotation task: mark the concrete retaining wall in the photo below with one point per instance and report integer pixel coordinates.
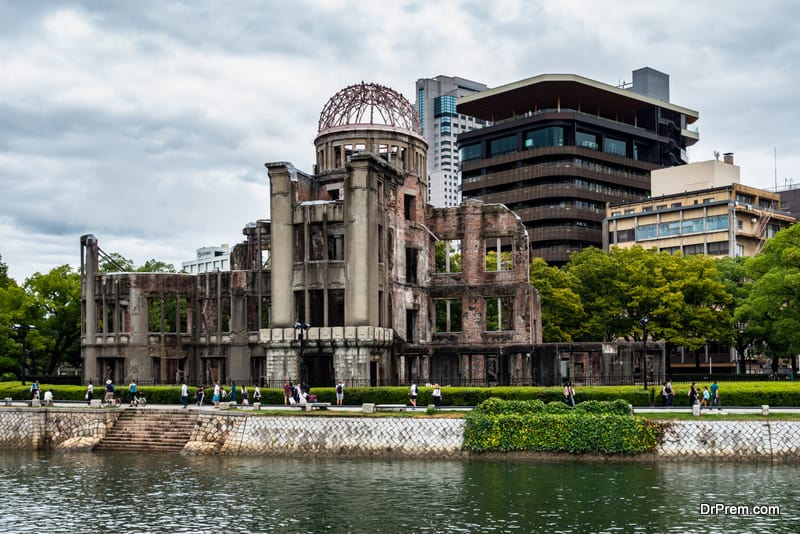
(245, 434)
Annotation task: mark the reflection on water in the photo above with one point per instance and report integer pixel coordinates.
(172, 493)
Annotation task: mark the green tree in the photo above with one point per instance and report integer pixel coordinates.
(599, 292)
(734, 277)
(563, 318)
(681, 298)
(156, 266)
(771, 309)
(56, 298)
(115, 262)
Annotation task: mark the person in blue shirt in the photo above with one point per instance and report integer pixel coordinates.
(715, 395)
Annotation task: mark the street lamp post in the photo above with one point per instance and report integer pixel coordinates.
(644, 320)
(22, 332)
(740, 349)
(301, 328)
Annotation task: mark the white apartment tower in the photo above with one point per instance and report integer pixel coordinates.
(441, 124)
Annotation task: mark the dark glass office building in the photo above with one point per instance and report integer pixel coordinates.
(560, 146)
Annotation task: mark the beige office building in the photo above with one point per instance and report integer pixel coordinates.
(700, 208)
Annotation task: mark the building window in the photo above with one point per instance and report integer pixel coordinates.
(625, 236)
(448, 256)
(448, 315)
(615, 146)
(645, 231)
(335, 307)
(690, 250)
(411, 265)
(300, 306)
(503, 145)
(409, 207)
(586, 140)
(661, 207)
(669, 228)
(675, 205)
(470, 152)
(718, 248)
(708, 200)
(316, 307)
(499, 313)
(717, 222)
(411, 322)
(552, 136)
(336, 247)
(444, 106)
(692, 226)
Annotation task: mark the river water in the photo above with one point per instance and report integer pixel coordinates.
(142, 493)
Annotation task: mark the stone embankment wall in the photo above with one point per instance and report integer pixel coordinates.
(240, 433)
(344, 436)
(54, 428)
(751, 440)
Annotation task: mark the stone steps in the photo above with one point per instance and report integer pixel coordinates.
(149, 430)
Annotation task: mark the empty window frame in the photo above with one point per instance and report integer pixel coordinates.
(497, 256)
(448, 315)
(448, 256)
(499, 313)
(411, 265)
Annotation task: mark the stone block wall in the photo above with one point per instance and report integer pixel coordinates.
(348, 436)
(751, 440)
(54, 428)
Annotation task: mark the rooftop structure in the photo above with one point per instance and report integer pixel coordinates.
(561, 146)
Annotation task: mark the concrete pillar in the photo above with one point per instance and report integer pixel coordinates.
(283, 185)
(89, 264)
(361, 274)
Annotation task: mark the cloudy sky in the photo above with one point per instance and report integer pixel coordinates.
(148, 123)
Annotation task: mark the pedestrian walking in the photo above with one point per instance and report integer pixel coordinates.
(437, 396)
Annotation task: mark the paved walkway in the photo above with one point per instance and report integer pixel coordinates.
(358, 408)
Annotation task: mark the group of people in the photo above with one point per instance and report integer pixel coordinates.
(296, 393)
(436, 395)
(708, 397)
(36, 391)
(220, 394)
(705, 397)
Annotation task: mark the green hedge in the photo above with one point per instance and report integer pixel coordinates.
(600, 427)
(731, 393)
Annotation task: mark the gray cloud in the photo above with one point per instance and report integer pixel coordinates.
(147, 123)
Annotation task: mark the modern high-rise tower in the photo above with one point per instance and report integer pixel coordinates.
(561, 146)
(436, 106)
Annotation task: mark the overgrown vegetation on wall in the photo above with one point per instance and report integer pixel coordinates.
(592, 427)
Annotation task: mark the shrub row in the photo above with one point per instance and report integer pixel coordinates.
(496, 406)
(575, 433)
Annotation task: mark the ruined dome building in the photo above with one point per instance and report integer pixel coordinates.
(354, 277)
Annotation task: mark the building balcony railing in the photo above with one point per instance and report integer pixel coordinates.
(565, 233)
(547, 213)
